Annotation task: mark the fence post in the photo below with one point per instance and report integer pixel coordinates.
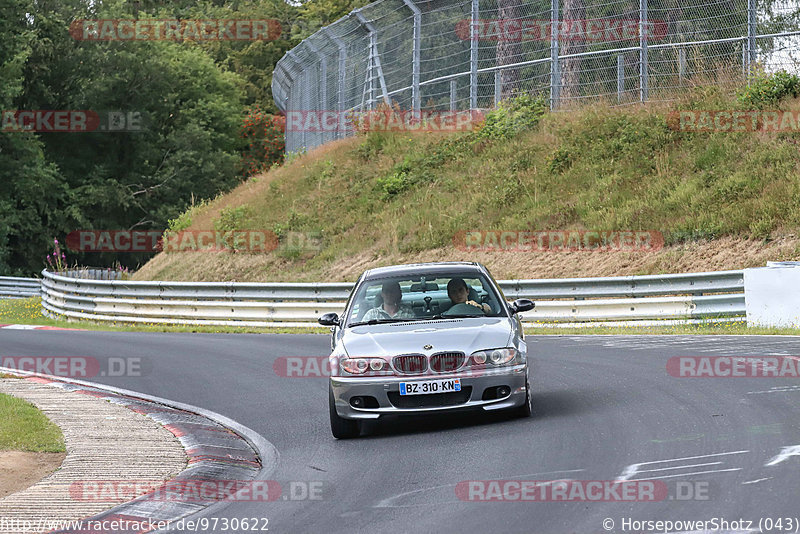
(287, 108)
(681, 65)
(323, 64)
(555, 70)
(306, 103)
(374, 59)
(416, 98)
(620, 77)
(752, 21)
(498, 87)
(643, 82)
(473, 56)
(297, 101)
(453, 90)
(341, 80)
(745, 61)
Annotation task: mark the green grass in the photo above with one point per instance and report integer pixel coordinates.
(24, 428)
(29, 312)
(736, 328)
(384, 193)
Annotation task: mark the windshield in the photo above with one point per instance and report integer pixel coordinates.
(419, 297)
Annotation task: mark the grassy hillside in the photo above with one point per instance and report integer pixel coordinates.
(721, 200)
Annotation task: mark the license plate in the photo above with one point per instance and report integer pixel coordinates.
(426, 387)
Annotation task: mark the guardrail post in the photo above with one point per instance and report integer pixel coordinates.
(453, 91)
(643, 74)
(473, 56)
(416, 98)
(620, 78)
(555, 67)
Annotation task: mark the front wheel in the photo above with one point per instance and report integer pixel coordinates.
(341, 428)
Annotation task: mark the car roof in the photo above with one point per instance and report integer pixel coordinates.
(423, 268)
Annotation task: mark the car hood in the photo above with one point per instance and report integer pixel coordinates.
(463, 335)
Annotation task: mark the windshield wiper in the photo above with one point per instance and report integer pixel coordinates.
(380, 321)
(454, 316)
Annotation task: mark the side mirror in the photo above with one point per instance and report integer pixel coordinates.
(522, 305)
(329, 319)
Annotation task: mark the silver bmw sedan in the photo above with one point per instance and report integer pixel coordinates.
(424, 338)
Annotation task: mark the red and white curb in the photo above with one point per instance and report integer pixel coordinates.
(219, 449)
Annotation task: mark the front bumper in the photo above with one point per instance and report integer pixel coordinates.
(383, 389)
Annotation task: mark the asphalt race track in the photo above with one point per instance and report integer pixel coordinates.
(601, 404)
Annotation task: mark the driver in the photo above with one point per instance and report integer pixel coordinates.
(458, 292)
(391, 307)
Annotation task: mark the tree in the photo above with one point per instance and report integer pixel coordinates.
(573, 43)
(33, 200)
(509, 48)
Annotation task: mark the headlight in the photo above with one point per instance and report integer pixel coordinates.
(494, 356)
(359, 366)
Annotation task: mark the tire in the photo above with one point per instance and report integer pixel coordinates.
(526, 409)
(341, 428)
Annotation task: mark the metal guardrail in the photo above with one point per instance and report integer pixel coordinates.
(18, 288)
(628, 299)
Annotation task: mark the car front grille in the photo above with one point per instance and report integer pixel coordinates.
(444, 362)
(410, 364)
(436, 400)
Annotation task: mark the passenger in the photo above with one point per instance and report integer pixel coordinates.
(391, 307)
(458, 292)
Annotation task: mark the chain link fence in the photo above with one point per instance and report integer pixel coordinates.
(445, 55)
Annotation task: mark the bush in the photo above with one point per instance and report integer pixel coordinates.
(768, 89)
(394, 184)
(184, 220)
(231, 219)
(512, 116)
(264, 134)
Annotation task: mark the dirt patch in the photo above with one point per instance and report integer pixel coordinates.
(20, 470)
(717, 255)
